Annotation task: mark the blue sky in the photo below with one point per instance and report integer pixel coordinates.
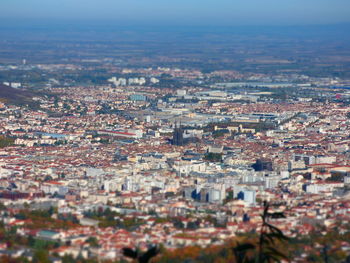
(183, 12)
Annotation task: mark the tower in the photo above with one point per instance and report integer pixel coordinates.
(178, 138)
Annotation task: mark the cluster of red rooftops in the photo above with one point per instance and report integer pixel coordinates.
(97, 151)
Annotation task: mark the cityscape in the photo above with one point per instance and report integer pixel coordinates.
(188, 145)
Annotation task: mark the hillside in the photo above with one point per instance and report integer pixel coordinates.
(16, 96)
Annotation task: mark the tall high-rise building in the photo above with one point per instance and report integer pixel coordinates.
(178, 138)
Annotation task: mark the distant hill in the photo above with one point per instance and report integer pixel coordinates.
(16, 96)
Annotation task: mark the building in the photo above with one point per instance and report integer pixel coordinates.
(178, 138)
(138, 97)
(136, 134)
(248, 196)
(262, 165)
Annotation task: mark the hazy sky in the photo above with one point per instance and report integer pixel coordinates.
(182, 12)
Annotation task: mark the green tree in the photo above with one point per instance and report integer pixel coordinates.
(213, 157)
(41, 256)
(92, 241)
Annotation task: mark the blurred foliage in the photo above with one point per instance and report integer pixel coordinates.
(4, 141)
(213, 157)
(141, 257)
